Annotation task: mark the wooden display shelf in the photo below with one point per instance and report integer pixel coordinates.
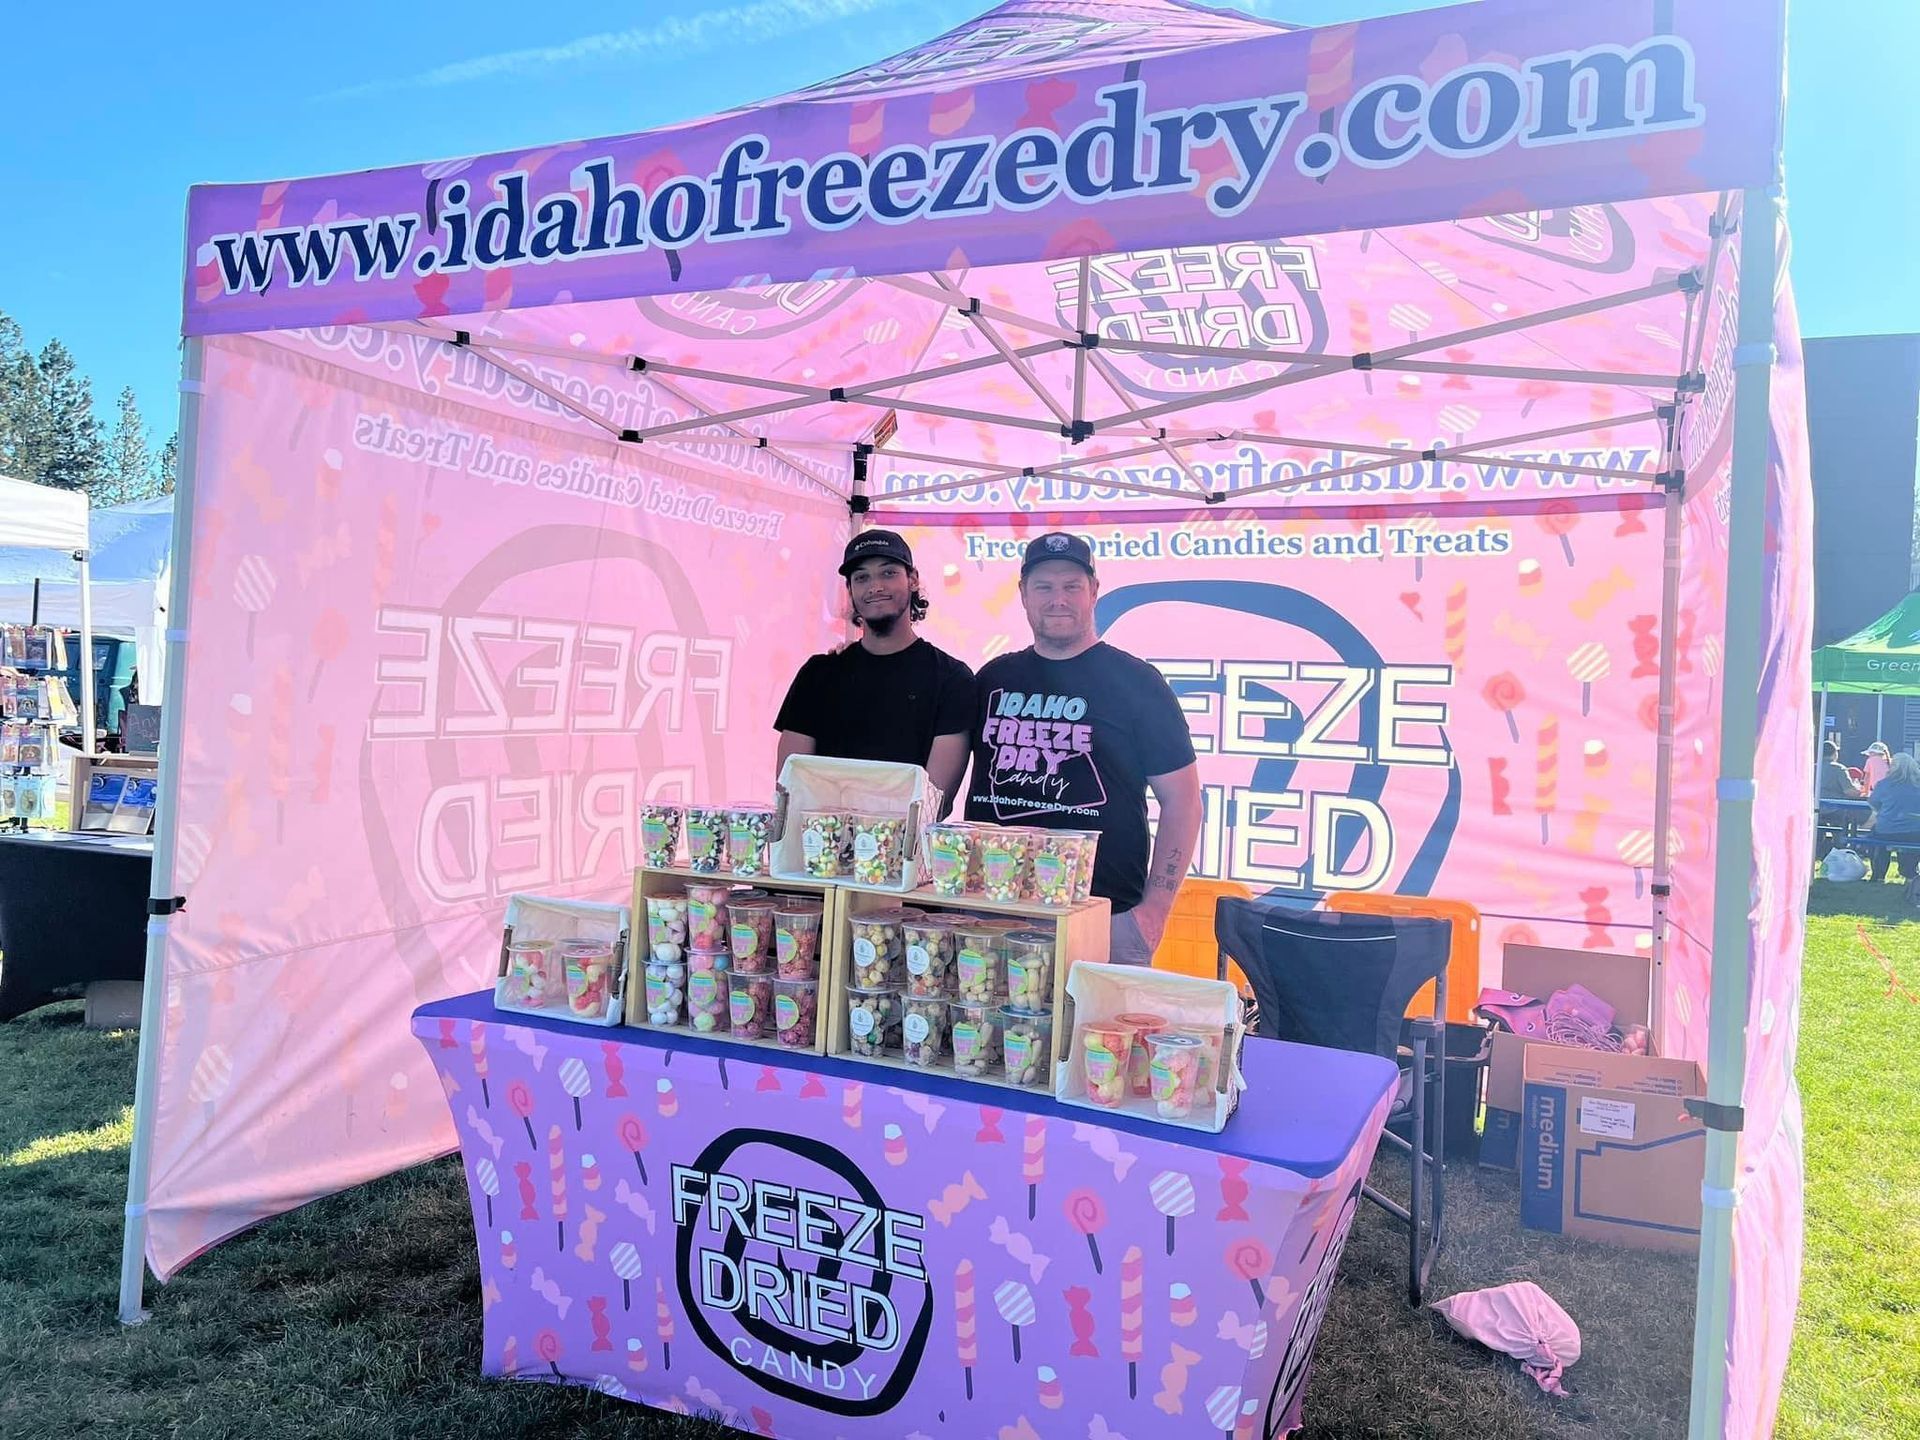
(944, 1070)
(1080, 934)
(648, 881)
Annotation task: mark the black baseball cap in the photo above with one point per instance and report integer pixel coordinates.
(1057, 545)
(874, 545)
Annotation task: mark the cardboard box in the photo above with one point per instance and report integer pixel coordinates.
(1608, 1151)
(1623, 981)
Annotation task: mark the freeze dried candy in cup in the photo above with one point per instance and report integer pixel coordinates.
(1083, 870)
(796, 938)
(880, 947)
(950, 858)
(873, 1021)
(749, 829)
(980, 964)
(750, 925)
(1212, 1040)
(923, 1033)
(1175, 1070)
(1029, 968)
(589, 973)
(533, 974)
(666, 993)
(1004, 856)
(706, 831)
(750, 1006)
(707, 1001)
(795, 1012)
(973, 1030)
(1026, 1042)
(1143, 1024)
(659, 835)
(667, 925)
(1055, 867)
(878, 845)
(932, 947)
(823, 840)
(1104, 1051)
(706, 914)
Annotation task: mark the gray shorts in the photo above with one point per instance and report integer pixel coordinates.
(1125, 944)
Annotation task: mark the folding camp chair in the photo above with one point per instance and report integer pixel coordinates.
(1344, 982)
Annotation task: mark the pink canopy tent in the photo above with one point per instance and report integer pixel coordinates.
(1427, 385)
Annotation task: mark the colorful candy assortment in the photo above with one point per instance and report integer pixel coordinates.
(589, 976)
(950, 859)
(878, 848)
(880, 947)
(750, 927)
(1027, 1043)
(873, 1021)
(795, 1012)
(933, 947)
(749, 830)
(974, 1028)
(660, 835)
(1175, 1071)
(924, 1032)
(1104, 1052)
(796, 938)
(706, 831)
(750, 1006)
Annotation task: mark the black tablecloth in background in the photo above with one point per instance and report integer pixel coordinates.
(73, 908)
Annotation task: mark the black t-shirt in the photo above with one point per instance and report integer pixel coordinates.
(1069, 745)
(857, 705)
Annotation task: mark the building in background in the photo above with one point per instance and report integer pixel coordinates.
(1863, 423)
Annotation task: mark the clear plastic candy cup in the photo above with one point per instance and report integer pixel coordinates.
(932, 947)
(749, 828)
(1055, 868)
(1175, 1072)
(796, 938)
(750, 1006)
(706, 831)
(707, 1001)
(796, 1012)
(1029, 968)
(880, 947)
(1212, 1040)
(879, 846)
(1026, 1042)
(534, 976)
(1005, 855)
(823, 843)
(1144, 1026)
(1104, 1050)
(750, 933)
(923, 1033)
(589, 969)
(659, 835)
(980, 964)
(706, 915)
(950, 857)
(873, 1021)
(973, 1030)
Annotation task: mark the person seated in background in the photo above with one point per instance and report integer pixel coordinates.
(1896, 818)
(1835, 784)
(1876, 762)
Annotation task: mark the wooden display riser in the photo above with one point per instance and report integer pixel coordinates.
(648, 881)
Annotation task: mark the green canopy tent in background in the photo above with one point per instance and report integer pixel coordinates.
(1880, 659)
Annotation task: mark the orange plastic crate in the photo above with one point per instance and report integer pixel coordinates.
(1463, 961)
(1188, 946)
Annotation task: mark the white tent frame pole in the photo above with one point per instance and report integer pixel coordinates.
(85, 668)
(1081, 302)
(741, 436)
(1730, 994)
(153, 991)
(959, 300)
(1673, 521)
(1111, 377)
(1819, 757)
(1020, 367)
(1879, 708)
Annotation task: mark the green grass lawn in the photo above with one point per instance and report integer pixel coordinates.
(359, 1316)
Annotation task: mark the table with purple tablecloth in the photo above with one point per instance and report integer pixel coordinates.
(809, 1246)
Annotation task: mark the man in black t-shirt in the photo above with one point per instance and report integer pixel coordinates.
(891, 696)
(1072, 734)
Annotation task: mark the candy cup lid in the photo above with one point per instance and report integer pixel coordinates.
(1028, 1012)
(1164, 1041)
(1139, 1020)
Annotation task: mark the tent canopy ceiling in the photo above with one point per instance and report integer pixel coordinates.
(1879, 659)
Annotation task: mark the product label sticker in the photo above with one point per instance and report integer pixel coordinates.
(861, 1022)
(746, 941)
(916, 1029)
(866, 848)
(786, 1011)
(864, 952)
(918, 960)
(1612, 1119)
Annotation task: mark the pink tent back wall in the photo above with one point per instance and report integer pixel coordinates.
(1374, 455)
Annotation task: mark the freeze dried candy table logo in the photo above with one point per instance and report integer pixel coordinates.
(793, 1268)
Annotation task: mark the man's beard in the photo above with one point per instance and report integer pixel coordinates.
(882, 625)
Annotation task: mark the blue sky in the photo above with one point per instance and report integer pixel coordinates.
(115, 110)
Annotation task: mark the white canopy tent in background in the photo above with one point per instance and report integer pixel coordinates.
(42, 518)
(127, 575)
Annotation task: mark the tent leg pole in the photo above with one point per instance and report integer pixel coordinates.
(1672, 517)
(1880, 715)
(85, 671)
(153, 991)
(1819, 757)
(1729, 995)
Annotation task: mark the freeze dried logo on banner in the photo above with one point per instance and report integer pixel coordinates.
(794, 1270)
(1596, 238)
(1384, 802)
(1261, 295)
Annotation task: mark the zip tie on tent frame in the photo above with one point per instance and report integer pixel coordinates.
(193, 387)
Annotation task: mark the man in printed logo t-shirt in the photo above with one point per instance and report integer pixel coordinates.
(1073, 733)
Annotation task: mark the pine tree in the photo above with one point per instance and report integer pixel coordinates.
(128, 473)
(77, 455)
(166, 466)
(26, 441)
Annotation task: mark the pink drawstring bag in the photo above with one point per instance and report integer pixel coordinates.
(1520, 1320)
